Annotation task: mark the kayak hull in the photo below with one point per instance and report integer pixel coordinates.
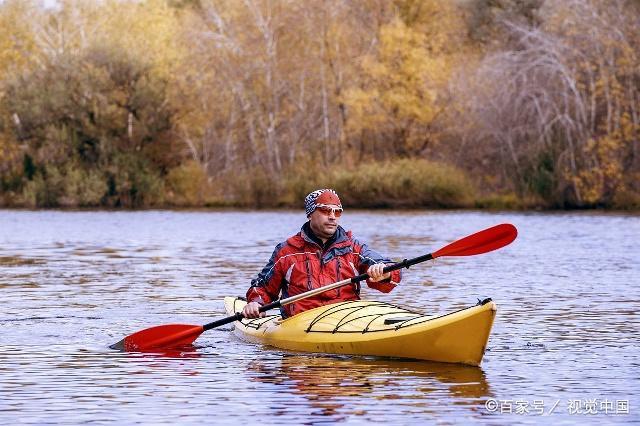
(376, 329)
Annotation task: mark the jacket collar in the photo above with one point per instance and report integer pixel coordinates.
(306, 235)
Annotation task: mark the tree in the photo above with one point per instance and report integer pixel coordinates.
(403, 87)
(17, 49)
(559, 111)
(101, 113)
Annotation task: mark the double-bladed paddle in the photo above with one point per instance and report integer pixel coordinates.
(175, 335)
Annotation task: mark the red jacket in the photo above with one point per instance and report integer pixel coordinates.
(302, 263)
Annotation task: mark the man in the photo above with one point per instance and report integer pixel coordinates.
(320, 254)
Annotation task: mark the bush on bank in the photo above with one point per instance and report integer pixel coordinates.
(405, 183)
(401, 183)
(132, 182)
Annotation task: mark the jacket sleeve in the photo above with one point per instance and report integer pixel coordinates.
(265, 288)
(370, 257)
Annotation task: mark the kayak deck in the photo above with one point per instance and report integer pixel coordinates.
(374, 328)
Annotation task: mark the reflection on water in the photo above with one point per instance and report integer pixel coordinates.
(329, 383)
(18, 261)
(186, 351)
(75, 282)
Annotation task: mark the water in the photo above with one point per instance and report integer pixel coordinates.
(72, 283)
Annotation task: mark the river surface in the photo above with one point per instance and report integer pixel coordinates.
(565, 347)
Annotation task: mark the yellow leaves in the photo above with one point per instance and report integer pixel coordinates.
(16, 40)
(147, 29)
(360, 104)
(407, 56)
(402, 81)
(628, 131)
(605, 171)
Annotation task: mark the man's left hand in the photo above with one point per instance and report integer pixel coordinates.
(376, 274)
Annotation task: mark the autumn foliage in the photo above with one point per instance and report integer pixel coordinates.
(254, 102)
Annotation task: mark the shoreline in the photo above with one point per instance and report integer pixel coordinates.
(245, 209)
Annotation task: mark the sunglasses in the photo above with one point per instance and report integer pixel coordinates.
(327, 210)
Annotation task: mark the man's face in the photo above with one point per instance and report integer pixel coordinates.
(324, 220)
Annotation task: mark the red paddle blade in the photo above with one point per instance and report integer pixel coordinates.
(481, 242)
(161, 336)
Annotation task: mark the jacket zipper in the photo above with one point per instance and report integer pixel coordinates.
(320, 284)
(308, 266)
(338, 274)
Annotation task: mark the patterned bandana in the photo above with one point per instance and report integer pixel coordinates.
(320, 196)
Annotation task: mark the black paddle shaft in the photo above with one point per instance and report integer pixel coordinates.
(406, 263)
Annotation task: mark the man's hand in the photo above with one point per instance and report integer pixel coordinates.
(251, 310)
(375, 272)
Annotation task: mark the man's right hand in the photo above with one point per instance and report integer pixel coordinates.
(251, 310)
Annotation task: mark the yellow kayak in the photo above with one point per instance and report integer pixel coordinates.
(374, 328)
